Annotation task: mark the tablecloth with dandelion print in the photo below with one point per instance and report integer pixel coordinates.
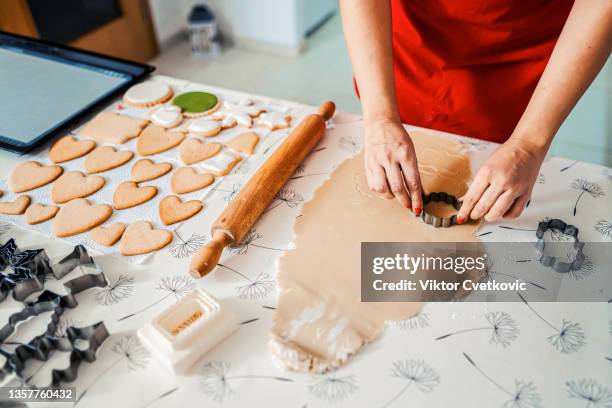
(520, 355)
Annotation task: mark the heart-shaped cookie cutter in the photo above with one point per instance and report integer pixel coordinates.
(442, 197)
(553, 262)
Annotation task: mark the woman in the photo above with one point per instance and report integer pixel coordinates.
(508, 71)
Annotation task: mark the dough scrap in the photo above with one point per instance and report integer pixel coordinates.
(110, 127)
(320, 320)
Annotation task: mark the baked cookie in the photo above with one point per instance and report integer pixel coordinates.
(172, 209)
(68, 148)
(106, 158)
(156, 139)
(147, 94)
(141, 238)
(74, 184)
(192, 150)
(29, 175)
(78, 216)
(195, 104)
(37, 213)
(204, 127)
(167, 116)
(274, 120)
(128, 194)
(107, 236)
(110, 127)
(241, 113)
(16, 207)
(222, 164)
(146, 169)
(187, 179)
(244, 143)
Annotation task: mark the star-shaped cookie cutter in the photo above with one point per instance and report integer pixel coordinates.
(440, 222)
(551, 261)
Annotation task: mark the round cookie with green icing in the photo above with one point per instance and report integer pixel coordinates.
(196, 104)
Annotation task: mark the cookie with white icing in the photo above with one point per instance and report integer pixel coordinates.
(241, 113)
(221, 164)
(274, 120)
(167, 116)
(147, 94)
(204, 127)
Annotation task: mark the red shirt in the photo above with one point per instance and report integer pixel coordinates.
(470, 66)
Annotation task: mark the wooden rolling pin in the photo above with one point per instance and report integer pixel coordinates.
(244, 210)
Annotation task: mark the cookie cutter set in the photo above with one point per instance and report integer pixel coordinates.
(558, 265)
(30, 270)
(180, 335)
(442, 197)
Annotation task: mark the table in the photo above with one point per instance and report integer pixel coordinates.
(495, 354)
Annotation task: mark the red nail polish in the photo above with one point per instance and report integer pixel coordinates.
(417, 211)
(460, 220)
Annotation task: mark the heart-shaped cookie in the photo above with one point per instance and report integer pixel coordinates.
(78, 216)
(129, 194)
(145, 170)
(156, 139)
(30, 175)
(74, 184)
(37, 213)
(187, 179)
(172, 209)
(244, 142)
(193, 150)
(141, 238)
(16, 207)
(68, 148)
(107, 236)
(105, 158)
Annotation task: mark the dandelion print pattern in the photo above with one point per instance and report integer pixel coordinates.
(243, 246)
(569, 338)
(418, 321)
(413, 372)
(215, 380)
(333, 388)
(256, 289)
(185, 248)
(589, 391)
(286, 196)
(502, 326)
(589, 187)
(525, 394)
(604, 227)
(120, 289)
(176, 286)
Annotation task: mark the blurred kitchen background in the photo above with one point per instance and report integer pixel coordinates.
(290, 49)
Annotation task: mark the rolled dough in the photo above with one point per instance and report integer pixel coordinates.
(320, 320)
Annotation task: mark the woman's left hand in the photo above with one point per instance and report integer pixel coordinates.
(503, 186)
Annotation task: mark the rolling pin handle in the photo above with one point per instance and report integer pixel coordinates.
(207, 257)
(327, 110)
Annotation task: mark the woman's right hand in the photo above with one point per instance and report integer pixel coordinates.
(391, 163)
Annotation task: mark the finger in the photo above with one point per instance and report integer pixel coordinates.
(517, 208)
(486, 201)
(377, 180)
(501, 206)
(469, 199)
(397, 185)
(413, 182)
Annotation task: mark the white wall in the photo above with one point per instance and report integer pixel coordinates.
(261, 24)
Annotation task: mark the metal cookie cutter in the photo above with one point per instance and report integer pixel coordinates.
(552, 261)
(442, 197)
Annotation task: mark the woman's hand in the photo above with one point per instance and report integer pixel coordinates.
(503, 186)
(391, 163)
